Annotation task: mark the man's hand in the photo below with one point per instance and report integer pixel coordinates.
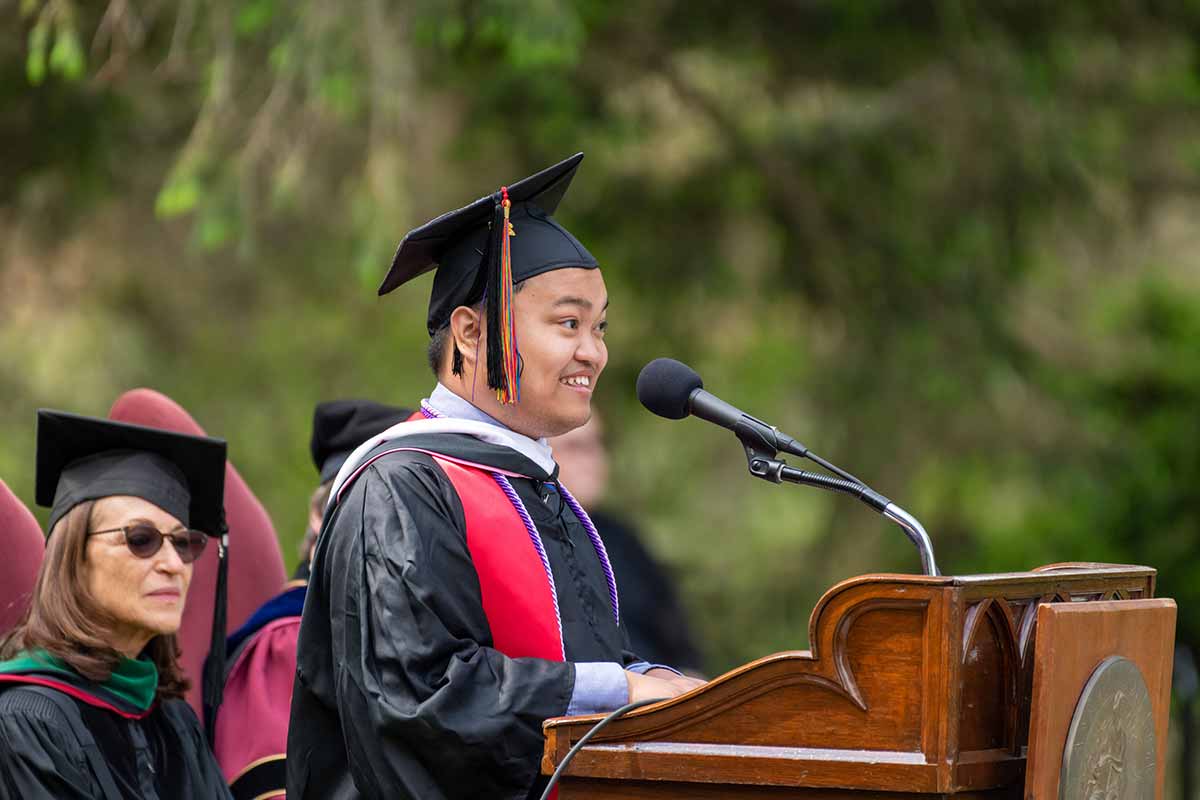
(647, 687)
(658, 683)
(682, 681)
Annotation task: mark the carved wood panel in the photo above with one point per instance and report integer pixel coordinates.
(999, 641)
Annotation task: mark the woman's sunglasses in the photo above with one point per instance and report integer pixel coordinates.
(145, 540)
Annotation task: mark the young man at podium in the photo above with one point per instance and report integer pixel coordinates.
(459, 595)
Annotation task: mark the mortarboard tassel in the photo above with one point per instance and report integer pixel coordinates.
(213, 680)
(502, 356)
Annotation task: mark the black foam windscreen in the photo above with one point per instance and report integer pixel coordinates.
(665, 386)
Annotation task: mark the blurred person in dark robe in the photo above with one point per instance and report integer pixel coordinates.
(251, 730)
(338, 427)
(459, 594)
(91, 687)
(658, 627)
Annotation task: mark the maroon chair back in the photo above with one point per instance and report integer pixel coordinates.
(256, 571)
(24, 546)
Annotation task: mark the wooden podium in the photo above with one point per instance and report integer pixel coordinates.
(914, 687)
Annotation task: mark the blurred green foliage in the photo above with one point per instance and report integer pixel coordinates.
(950, 246)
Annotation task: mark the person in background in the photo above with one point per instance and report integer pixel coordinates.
(657, 625)
(91, 690)
(252, 723)
(339, 426)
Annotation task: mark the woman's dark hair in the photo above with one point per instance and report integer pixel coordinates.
(65, 620)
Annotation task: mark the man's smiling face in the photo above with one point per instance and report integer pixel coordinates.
(560, 319)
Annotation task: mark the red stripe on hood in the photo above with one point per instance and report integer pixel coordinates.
(76, 692)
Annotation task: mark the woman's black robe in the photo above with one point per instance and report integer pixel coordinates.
(52, 750)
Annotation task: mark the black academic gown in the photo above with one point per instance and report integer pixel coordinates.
(399, 693)
(162, 756)
(658, 627)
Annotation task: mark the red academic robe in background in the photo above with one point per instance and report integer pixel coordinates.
(24, 546)
(252, 724)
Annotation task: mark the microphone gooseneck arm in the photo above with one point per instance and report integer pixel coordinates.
(763, 464)
(915, 531)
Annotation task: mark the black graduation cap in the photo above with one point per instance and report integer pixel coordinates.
(339, 426)
(85, 458)
(474, 261)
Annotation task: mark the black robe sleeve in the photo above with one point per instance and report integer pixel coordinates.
(40, 755)
(428, 708)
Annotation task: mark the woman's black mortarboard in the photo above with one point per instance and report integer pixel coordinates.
(475, 261)
(339, 426)
(85, 458)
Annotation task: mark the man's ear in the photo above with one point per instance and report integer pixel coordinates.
(466, 331)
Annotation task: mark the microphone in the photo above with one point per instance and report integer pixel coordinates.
(672, 389)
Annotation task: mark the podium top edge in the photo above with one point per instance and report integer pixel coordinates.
(1065, 570)
(1049, 571)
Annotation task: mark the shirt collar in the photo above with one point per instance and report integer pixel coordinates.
(448, 404)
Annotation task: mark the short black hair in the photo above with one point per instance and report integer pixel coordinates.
(437, 348)
(437, 344)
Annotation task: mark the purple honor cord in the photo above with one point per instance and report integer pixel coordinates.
(429, 412)
(536, 538)
(598, 545)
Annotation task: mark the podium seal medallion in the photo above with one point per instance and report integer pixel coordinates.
(1110, 751)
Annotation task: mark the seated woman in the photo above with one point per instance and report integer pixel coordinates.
(90, 685)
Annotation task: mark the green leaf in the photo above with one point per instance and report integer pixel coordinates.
(254, 17)
(214, 231)
(35, 62)
(35, 67)
(340, 93)
(282, 56)
(66, 57)
(177, 197)
(452, 32)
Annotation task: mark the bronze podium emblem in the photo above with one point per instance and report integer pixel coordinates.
(1110, 750)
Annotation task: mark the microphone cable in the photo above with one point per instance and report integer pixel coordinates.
(613, 716)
